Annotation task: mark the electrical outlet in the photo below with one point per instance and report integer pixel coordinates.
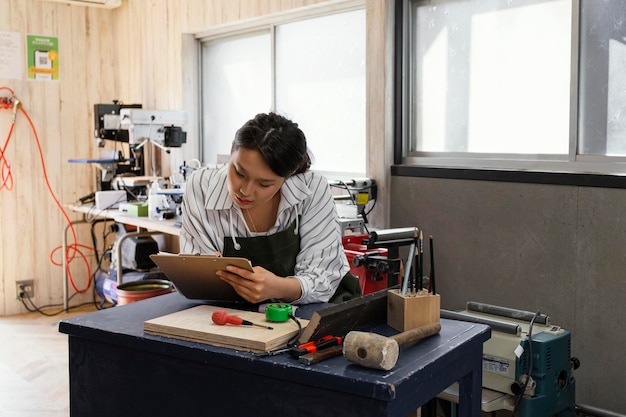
(27, 286)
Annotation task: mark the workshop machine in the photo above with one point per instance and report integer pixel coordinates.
(161, 128)
(375, 257)
(371, 266)
(527, 358)
(135, 262)
(130, 124)
(113, 163)
(136, 127)
(352, 206)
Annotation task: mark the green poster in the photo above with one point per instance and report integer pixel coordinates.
(43, 57)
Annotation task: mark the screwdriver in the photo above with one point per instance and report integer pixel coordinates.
(221, 317)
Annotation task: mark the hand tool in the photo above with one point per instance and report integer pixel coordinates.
(420, 282)
(407, 272)
(221, 317)
(317, 346)
(432, 266)
(380, 352)
(315, 357)
(278, 312)
(308, 347)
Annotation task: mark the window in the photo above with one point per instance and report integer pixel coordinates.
(495, 84)
(603, 77)
(235, 87)
(311, 70)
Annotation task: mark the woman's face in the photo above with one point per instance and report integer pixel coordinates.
(251, 182)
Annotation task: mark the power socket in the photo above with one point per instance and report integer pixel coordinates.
(26, 286)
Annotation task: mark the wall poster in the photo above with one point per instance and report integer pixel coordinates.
(10, 57)
(43, 57)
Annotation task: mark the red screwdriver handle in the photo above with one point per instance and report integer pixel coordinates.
(221, 317)
(236, 321)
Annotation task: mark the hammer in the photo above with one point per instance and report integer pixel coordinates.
(380, 352)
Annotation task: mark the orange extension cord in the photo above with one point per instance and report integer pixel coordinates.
(6, 182)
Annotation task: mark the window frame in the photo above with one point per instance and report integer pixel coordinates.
(192, 59)
(459, 162)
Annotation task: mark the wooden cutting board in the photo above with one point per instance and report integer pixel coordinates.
(195, 324)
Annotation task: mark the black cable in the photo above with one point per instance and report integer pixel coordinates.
(372, 207)
(347, 188)
(99, 305)
(99, 260)
(40, 309)
(294, 339)
(363, 213)
(126, 187)
(530, 363)
(292, 343)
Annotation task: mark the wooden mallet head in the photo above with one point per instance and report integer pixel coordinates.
(379, 352)
(371, 350)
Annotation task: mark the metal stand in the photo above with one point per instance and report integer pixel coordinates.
(139, 233)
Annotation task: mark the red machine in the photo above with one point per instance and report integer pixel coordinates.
(375, 257)
(371, 266)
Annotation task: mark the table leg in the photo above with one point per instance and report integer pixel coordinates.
(470, 388)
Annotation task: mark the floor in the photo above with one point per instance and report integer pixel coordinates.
(34, 379)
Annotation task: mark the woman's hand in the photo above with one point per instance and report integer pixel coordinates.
(260, 284)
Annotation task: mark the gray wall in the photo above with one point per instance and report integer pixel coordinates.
(556, 249)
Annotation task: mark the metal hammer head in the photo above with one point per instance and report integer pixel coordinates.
(371, 350)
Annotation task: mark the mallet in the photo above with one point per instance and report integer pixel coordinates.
(381, 352)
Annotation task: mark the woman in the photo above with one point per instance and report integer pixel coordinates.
(265, 205)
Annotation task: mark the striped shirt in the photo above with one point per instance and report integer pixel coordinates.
(209, 216)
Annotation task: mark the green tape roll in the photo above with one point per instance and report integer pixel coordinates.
(278, 312)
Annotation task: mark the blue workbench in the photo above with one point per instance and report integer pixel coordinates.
(117, 370)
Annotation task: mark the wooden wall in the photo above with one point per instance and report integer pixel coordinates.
(132, 53)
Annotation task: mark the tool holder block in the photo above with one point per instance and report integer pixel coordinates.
(408, 311)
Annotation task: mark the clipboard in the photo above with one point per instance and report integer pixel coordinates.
(194, 276)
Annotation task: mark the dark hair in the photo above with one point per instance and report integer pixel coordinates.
(279, 140)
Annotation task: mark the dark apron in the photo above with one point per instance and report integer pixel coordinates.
(277, 253)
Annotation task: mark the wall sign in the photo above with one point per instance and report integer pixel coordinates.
(10, 58)
(42, 54)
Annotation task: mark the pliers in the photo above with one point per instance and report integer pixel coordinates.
(304, 348)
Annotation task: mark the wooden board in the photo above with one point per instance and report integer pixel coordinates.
(339, 319)
(195, 324)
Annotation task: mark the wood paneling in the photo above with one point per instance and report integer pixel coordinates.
(132, 54)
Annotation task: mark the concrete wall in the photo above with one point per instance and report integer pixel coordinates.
(556, 249)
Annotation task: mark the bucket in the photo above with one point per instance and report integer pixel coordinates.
(140, 290)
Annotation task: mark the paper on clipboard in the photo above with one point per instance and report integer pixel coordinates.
(195, 275)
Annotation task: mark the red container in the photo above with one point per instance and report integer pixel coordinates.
(140, 290)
